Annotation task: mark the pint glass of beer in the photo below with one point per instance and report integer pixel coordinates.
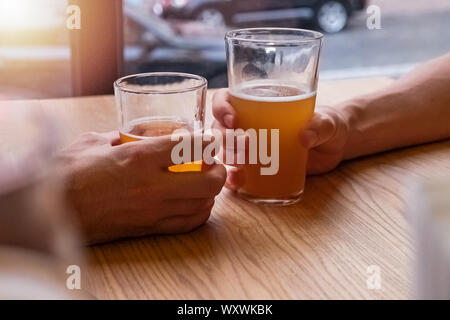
(272, 76)
(156, 104)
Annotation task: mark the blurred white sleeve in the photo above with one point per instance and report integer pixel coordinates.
(429, 207)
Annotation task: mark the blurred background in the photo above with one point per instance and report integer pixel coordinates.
(187, 36)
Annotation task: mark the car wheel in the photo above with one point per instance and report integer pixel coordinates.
(331, 16)
(211, 17)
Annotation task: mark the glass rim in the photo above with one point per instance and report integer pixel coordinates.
(311, 36)
(118, 84)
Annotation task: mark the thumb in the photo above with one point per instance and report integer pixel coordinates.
(319, 130)
(235, 178)
(223, 110)
(111, 137)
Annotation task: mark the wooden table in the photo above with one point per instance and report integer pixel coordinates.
(321, 248)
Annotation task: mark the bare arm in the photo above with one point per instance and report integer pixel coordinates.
(414, 110)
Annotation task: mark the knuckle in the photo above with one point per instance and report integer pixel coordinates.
(328, 123)
(146, 148)
(205, 205)
(159, 146)
(204, 216)
(133, 152)
(208, 205)
(197, 220)
(217, 180)
(218, 101)
(315, 121)
(90, 137)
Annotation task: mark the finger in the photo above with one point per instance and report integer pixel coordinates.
(165, 151)
(217, 126)
(194, 185)
(235, 178)
(184, 207)
(319, 130)
(235, 144)
(99, 138)
(182, 224)
(222, 109)
(112, 137)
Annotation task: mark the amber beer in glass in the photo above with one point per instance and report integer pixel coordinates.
(156, 104)
(272, 74)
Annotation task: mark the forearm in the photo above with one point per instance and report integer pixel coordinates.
(414, 110)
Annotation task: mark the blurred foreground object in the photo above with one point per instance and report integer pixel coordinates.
(430, 210)
(37, 243)
(28, 274)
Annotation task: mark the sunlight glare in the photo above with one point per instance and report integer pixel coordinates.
(28, 14)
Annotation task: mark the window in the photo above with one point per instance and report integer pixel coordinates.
(362, 38)
(34, 49)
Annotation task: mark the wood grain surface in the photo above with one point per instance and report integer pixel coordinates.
(320, 248)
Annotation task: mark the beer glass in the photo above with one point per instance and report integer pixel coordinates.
(272, 76)
(156, 104)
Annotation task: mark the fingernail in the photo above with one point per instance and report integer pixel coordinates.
(228, 120)
(310, 138)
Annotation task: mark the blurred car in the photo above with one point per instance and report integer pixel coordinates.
(184, 46)
(329, 15)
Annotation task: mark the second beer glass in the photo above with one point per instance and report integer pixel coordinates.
(272, 75)
(156, 104)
